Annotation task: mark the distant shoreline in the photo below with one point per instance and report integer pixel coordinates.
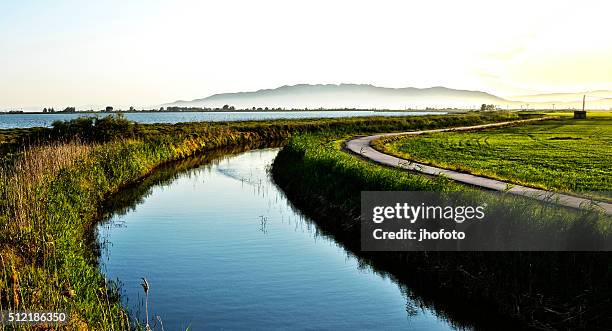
(236, 111)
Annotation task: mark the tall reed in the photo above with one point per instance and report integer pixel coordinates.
(22, 181)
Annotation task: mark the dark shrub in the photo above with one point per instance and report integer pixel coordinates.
(94, 128)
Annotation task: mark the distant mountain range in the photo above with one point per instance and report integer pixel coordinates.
(373, 97)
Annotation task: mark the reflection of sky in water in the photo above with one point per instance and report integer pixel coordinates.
(221, 247)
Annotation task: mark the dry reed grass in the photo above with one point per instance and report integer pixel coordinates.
(21, 181)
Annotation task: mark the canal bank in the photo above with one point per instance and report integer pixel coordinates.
(527, 289)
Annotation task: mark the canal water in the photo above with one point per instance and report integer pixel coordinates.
(221, 247)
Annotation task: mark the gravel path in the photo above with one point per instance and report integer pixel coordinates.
(362, 146)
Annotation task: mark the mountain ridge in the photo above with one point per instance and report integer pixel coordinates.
(368, 96)
(340, 96)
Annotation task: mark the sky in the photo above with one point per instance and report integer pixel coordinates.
(141, 53)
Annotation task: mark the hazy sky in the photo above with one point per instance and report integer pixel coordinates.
(149, 52)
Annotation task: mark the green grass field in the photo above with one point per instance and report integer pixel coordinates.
(561, 154)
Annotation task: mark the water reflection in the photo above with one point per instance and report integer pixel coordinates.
(223, 248)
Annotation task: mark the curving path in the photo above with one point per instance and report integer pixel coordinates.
(362, 146)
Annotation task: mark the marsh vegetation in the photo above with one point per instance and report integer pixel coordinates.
(54, 182)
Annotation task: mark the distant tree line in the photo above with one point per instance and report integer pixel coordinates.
(66, 110)
(111, 109)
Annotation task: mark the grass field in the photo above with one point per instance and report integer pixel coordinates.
(591, 113)
(561, 154)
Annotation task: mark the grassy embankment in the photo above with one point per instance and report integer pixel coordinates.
(53, 183)
(562, 155)
(543, 290)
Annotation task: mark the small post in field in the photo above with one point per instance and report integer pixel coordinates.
(581, 114)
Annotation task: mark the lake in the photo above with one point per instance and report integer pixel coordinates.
(221, 247)
(9, 121)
